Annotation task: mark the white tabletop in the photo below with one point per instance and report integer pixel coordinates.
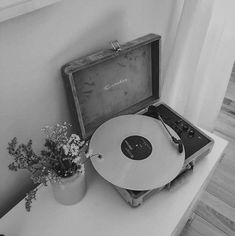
(103, 211)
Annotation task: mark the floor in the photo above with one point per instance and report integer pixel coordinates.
(214, 214)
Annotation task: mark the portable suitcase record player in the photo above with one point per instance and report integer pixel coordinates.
(114, 99)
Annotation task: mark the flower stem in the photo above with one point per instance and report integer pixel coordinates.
(98, 155)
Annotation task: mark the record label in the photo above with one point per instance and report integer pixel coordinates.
(136, 147)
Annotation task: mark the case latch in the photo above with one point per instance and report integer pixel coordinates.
(116, 46)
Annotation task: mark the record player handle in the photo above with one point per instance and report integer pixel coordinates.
(174, 139)
(116, 46)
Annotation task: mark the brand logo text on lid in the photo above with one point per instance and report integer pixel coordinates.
(110, 86)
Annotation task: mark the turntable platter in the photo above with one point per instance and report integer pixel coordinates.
(137, 152)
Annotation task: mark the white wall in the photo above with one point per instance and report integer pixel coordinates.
(33, 47)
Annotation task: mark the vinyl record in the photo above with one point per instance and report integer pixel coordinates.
(137, 152)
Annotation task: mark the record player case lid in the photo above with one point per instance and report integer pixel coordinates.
(111, 82)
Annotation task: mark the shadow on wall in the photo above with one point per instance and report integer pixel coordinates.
(11, 202)
(93, 38)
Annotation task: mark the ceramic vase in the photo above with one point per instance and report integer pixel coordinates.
(70, 190)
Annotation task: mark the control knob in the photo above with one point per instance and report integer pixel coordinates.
(191, 132)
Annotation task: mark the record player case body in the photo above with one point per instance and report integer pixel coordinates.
(125, 80)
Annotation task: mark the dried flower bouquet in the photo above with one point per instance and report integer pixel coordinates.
(62, 157)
